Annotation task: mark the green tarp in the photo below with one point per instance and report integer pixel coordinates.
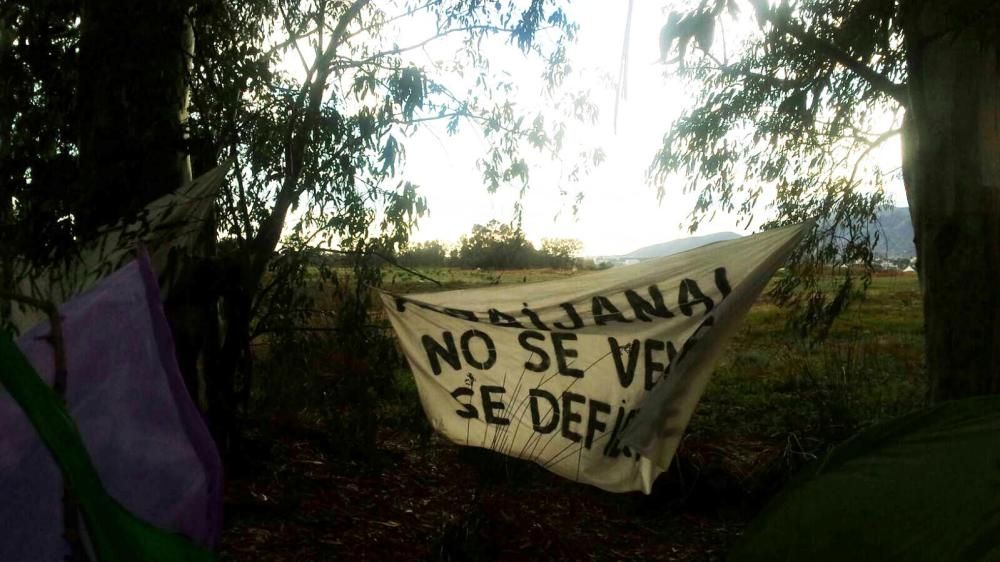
(924, 487)
(115, 534)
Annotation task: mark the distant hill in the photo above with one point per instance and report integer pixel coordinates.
(896, 239)
(681, 245)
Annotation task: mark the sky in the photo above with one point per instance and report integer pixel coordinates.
(620, 211)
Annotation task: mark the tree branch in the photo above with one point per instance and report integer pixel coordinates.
(877, 80)
(312, 90)
(387, 259)
(388, 20)
(425, 42)
(292, 39)
(872, 145)
(294, 43)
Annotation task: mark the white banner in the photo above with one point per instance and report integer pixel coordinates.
(594, 377)
(168, 228)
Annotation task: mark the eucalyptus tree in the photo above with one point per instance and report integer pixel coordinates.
(796, 113)
(109, 103)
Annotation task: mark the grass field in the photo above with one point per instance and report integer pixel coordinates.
(869, 368)
(775, 403)
(401, 281)
(770, 382)
(777, 400)
(769, 386)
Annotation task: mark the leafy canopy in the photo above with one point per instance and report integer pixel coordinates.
(314, 102)
(786, 122)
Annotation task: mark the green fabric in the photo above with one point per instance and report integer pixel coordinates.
(116, 535)
(923, 487)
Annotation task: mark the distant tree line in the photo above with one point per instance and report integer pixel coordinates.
(496, 246)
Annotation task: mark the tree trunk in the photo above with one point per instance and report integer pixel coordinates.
(230, 357)
(132, 104)
(131, 97)
(951, 169)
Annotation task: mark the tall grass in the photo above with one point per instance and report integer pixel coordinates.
(776, 401)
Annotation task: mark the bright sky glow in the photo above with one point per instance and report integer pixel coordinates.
(620, 211)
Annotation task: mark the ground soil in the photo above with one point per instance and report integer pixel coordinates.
(420, 498)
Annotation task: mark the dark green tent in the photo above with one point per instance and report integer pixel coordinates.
(924, 487)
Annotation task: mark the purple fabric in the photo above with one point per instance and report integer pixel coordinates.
(145, 436)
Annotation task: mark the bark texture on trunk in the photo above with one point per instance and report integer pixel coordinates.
(132, 107)
(951, 169)
(131, 98)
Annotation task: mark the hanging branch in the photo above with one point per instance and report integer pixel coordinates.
(622, 90)
(394, 263)
(388, 259)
